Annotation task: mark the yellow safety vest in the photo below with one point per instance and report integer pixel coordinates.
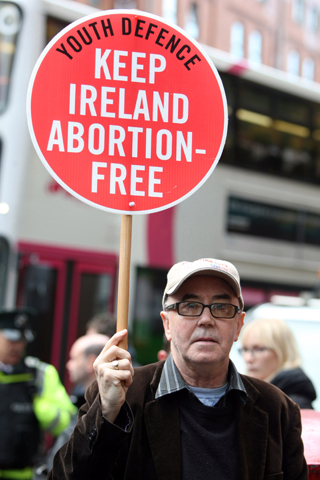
(51, 404)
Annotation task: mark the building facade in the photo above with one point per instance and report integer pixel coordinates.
(282, 34)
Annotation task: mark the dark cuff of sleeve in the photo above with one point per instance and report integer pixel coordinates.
(124, 419)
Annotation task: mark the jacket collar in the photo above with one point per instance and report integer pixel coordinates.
(171, 380)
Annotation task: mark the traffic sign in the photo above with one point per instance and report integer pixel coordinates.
(127, 112)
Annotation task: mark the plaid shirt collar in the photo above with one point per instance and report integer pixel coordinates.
(171, 381)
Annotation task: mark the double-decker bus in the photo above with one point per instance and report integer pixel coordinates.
(260, 209)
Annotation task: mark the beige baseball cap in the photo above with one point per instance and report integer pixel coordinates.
(205, 266)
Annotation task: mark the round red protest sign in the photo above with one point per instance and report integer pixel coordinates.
(127, 112)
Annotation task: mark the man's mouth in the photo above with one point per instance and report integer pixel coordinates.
(205, 340)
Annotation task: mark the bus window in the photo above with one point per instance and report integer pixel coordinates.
(10, 25)
(54, 26)
(66, 287)
(0, 153)
(147, 324)
(293, 111)
(247, 217)
(261, 219)
(228, 150)
(37, 289)
(255, 98)
(271, 131)
(4, 256)
(256, 144)
(96, 290)
(312, 229)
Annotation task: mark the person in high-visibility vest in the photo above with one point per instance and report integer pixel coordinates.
(32, 398)
(83, 353)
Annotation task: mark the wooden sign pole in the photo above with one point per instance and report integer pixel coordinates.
(124, 276)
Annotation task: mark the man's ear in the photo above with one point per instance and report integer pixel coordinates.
(166, 326)
(239, 326)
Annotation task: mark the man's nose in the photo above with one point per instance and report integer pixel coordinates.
(206, 316)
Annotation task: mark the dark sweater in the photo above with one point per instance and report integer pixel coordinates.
(297, 386)
(208, 440)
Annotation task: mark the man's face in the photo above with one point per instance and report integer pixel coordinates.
(11, 352)
(205, 340)
(77, 365)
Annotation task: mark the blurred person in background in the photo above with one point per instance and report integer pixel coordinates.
(32, 398)
(104, 323)
(83, 353)
(165, 351)
(271, 354)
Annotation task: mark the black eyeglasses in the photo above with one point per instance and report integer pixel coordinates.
(195, 309)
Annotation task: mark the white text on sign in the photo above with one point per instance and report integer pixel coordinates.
(156, 64)
(118, 174)
(113, 143)
(133, 141)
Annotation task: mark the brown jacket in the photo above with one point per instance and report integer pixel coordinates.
(268, 429)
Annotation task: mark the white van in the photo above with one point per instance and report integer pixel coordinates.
(303, 317)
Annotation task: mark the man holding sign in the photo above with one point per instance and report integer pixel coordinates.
(140, 125)
(192, 416)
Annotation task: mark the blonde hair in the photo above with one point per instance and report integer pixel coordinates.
(275, 334)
